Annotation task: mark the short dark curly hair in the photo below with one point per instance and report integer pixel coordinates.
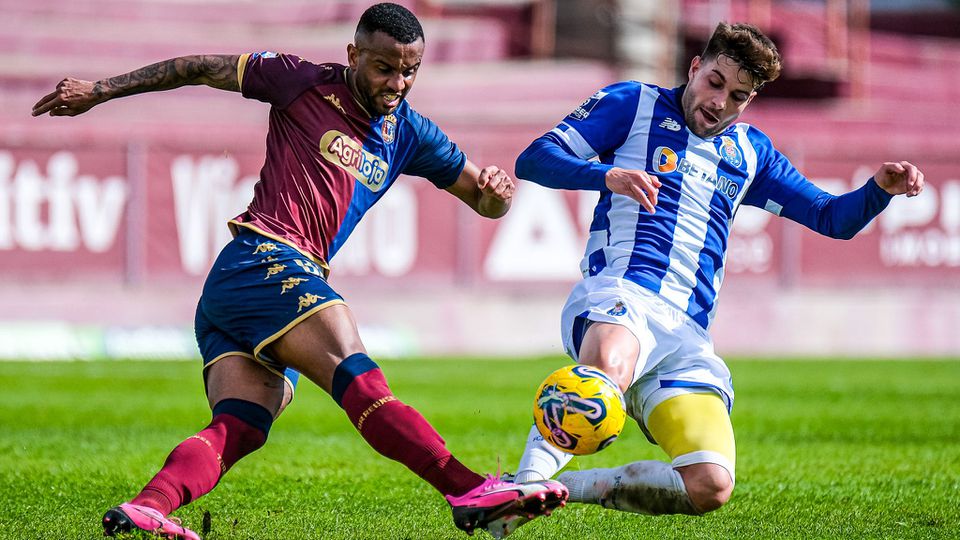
(746, 45)
(392, 19)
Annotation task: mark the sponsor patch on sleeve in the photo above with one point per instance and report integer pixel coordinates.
(583, 111)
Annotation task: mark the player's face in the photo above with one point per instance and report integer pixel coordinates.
(382, 71)
(717, 92)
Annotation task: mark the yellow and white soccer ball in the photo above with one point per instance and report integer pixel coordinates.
(579, 410)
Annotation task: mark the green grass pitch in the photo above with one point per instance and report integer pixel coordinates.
(826, 449)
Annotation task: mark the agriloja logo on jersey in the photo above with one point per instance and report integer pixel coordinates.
(348, 154)
(583, 111)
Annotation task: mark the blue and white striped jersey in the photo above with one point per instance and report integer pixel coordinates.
(679, 251)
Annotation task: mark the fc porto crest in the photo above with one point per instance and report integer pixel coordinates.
(618, 310)
(389, 128)
(730, 151)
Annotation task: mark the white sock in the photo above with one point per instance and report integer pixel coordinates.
(644, 487)
(540, 459)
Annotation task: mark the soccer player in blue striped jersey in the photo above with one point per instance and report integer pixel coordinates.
(672, 167)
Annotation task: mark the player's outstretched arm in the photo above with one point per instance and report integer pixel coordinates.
(75, 96)
(488, 191)
(552, 164)
(836, 216)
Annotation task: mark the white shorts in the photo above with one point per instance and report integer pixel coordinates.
(676, 353)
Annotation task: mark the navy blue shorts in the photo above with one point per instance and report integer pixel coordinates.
(257, 290)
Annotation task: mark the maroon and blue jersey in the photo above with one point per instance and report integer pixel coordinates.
(328, 160)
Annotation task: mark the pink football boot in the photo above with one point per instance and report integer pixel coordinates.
(496, 498)
(131, 517)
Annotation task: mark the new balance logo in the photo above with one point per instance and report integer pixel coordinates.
(670, 124)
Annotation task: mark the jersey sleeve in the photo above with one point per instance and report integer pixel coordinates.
(550, 163)
(436, 158)
(780, 189)
(563, 158)
(601, 123)
(276, 78)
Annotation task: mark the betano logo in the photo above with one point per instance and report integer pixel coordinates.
(666, 161)
(341, 150)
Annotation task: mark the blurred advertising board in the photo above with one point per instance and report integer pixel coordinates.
(135, 213)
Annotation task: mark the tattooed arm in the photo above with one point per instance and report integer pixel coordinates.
(74, 96)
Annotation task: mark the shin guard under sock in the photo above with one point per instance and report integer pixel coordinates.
(396, 430)
(195, 466)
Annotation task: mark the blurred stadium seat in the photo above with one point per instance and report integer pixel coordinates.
(846, 101)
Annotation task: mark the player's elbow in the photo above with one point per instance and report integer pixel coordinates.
(838, 229)
(525, 163)
(844, 234)
(531, 160)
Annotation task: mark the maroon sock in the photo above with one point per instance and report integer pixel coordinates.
(397, 430)
(197, 464)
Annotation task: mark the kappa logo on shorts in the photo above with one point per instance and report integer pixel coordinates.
(274, 270)
(265, 247)
(308, 300)
(618, 310)
(290, 283)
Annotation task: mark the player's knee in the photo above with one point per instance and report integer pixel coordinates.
(707, 498)
(287, 398)
(252, 424)
(709, 487)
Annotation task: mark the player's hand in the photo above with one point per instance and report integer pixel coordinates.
(72, 97)
(495, 182)
(638, 185)
(899, 178)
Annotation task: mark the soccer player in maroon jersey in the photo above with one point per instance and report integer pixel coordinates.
(339, 136)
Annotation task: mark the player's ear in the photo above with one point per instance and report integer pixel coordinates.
(353, 56)
(694, 67)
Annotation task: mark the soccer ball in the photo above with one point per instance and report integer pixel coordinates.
(579, 410)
